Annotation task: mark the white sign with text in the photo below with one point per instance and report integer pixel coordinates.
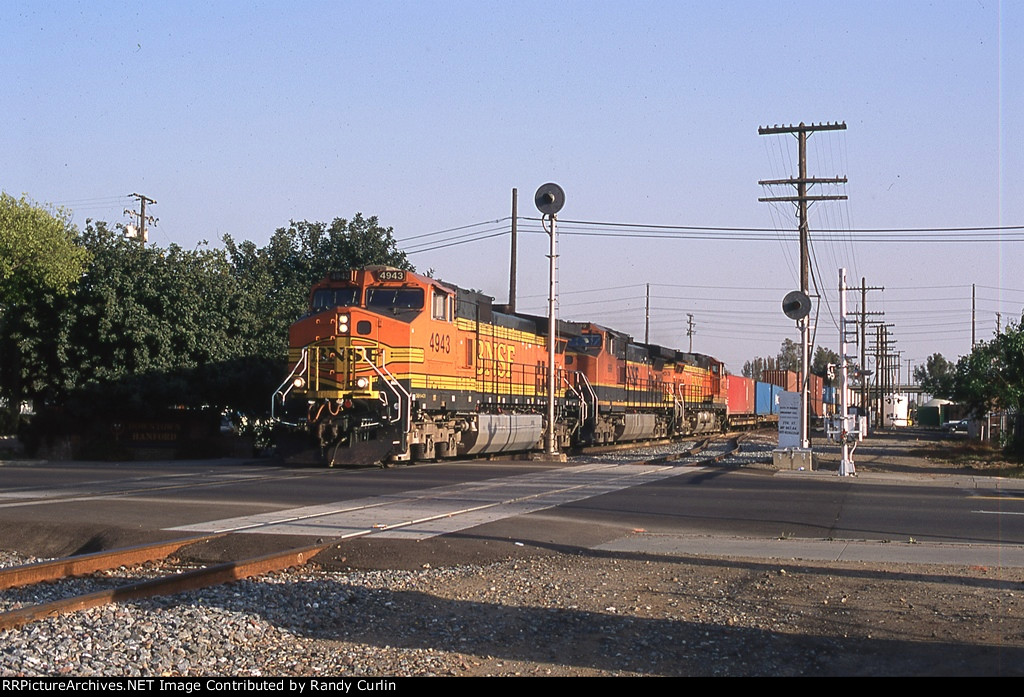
(789, 420)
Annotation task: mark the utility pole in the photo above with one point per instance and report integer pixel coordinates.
(848, 430)
(802, 199)
(143, 200)
(647, 316)
(512, 270)
(884, 371)
(689, 329)
(973, 340)
(863, 339)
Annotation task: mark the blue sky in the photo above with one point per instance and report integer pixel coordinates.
(237, 117)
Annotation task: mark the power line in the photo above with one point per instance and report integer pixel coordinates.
(721, 228)
(454, 229)
(596, 228)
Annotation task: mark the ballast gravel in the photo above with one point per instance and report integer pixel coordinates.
(562, 615)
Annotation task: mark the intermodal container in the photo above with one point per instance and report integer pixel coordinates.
(741, 395)
(786, 379)
(830, 396)
(815, 395)
(776, 391)
(763, 399)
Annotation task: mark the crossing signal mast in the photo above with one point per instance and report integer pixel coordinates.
(549, 199)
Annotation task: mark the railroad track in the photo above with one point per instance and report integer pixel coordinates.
(168, 583)
(731, 443)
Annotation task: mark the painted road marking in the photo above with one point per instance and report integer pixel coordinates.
(417, 515)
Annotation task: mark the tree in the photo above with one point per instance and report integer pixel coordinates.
(936, 376)
(37, 251)
(136, 310)
(754, 368)
(788, 358)
(150, 327)
(991, 376)
(277, 278)
(789, 355)
(822, 358)
(40, 261)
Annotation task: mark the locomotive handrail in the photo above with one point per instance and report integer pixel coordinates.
(300, 366)
(590, 391)
(389, 379)
(572, 388)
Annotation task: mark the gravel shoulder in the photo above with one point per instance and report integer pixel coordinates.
(513, 610)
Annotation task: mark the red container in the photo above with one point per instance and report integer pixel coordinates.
(741, 395)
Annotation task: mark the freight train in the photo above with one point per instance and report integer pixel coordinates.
(394, 366)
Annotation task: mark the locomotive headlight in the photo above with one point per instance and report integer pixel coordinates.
(343, 324)
(361, 383)
(299, 383)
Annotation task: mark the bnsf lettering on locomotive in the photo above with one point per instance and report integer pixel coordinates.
(441, 343)
(355, 355)
(498, 356)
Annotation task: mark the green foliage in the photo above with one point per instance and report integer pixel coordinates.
(37, 251)
(788, 358)
(277, 278)
(755, 367)
(991, 377)
(789, 355)
(149, 328)
(936, 376)
(822, 358)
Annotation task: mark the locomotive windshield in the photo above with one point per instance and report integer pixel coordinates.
(379, 299)
(326, 298)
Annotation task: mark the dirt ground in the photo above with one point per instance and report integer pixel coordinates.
(594, 613)
(923, 452)
(616, 615)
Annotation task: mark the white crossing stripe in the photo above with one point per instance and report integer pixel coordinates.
(417, 515)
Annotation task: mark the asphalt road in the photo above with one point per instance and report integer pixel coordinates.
(62, 508)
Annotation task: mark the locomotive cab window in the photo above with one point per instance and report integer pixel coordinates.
(327, 298)
(394, 301)
(439, 304)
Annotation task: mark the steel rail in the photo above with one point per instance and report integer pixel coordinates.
(165, 585)
(732, 445)
(79, 565)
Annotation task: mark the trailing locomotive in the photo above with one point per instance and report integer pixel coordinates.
(391, 365)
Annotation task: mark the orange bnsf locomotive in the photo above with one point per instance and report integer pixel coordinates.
(391, 365)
